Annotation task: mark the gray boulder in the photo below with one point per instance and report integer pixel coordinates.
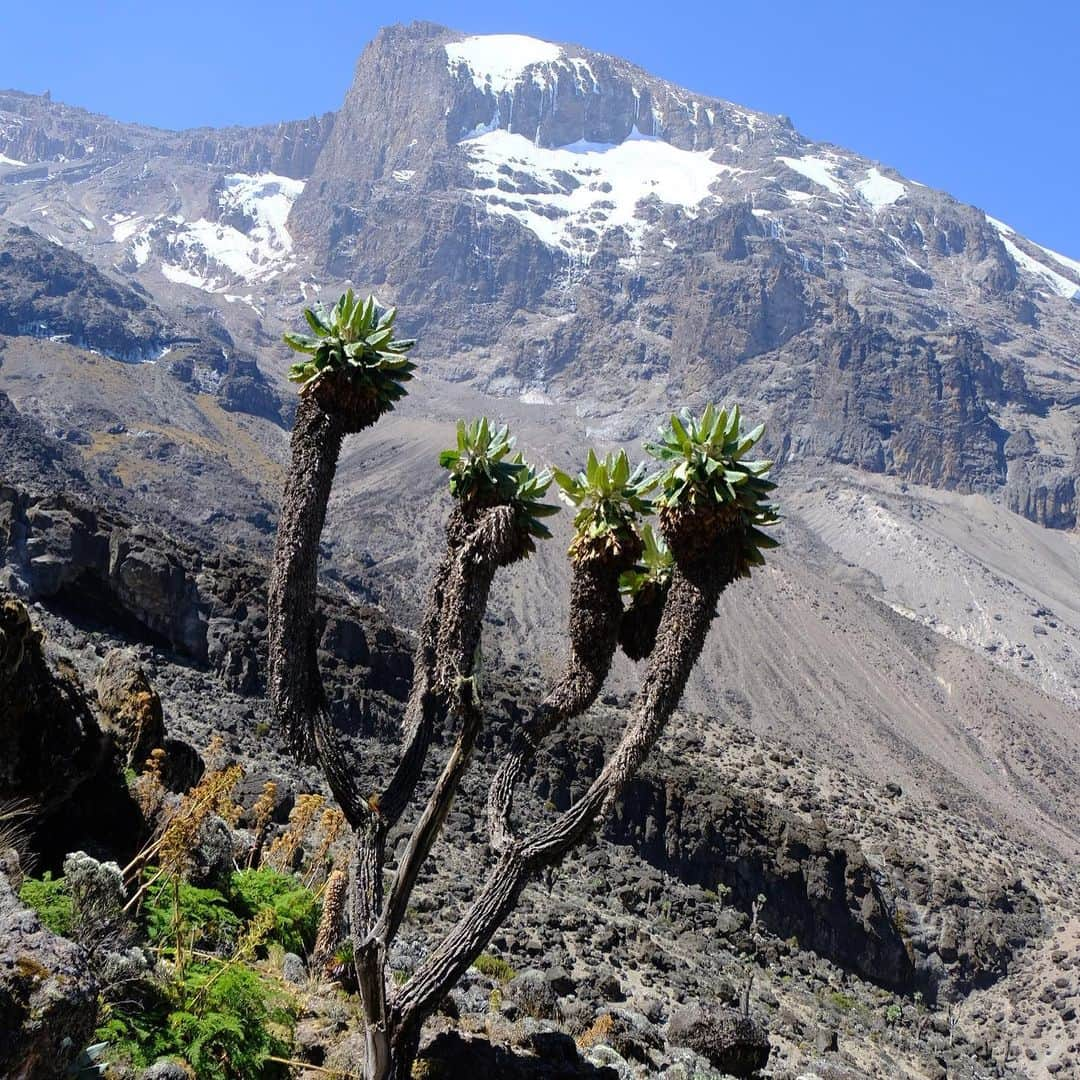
(167, 1070)
(130, 707)
(532, 994)
(48, 995)
(212, 859)
(734, 1043)
(293, 969)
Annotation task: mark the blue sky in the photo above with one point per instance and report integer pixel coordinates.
(981, 99)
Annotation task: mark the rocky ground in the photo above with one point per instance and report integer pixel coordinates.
(899, 935)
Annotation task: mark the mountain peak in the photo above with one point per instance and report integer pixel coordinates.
(498, 62)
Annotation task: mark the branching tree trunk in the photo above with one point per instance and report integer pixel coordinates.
(711, 503)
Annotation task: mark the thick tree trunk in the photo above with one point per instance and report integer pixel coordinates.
(391, 1057)
(688, 614)
(595, 614)
(295, 689)
(369, 955)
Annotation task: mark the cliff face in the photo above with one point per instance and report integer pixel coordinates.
(578, 230)
(288, 149)
(207, 607)
(568, 230)
(38, 133)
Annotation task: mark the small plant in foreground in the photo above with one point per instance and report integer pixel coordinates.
(597, 1032)
(225, 1028)
(494, 967)
(49, 897)
(16, 816)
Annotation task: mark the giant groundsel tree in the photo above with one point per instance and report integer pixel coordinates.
(652, 592)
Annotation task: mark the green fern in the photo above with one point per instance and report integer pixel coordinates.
(296, 910)
(203, 915)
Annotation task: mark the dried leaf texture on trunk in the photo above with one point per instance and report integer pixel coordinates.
(493, 541)
(595, 615)
(295, 687)
(297, 697)
(688, 613)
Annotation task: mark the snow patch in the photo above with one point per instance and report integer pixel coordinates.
(569, 196)
(535, 397)
(5, 160)
(179, 276)
(582, 70)
(124, 228)
(250, 301)
(403, 176)
(1058, 283)
(817, 169)
(880, 190)
(209, 254)
(266, 200)
(140, 249)
(497, 62)
(1061, 260)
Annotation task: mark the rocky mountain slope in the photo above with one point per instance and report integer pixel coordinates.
(582, 235)
(893, 926)
(580, 246)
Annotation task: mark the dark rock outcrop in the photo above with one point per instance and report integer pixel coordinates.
(734, 1043)
(52, 134)
(452, 1056)
(913, 406)
(209, 607)
(819, 888)
(41, 461)
(287, 149)
(964, 935)
(52, 743)
(48, 291)
(56, 757)
(1041, 496)
(130, 708)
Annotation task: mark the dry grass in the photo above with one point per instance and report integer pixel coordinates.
(283, 850)
(178, 834)
(15, 836)
(597, 1032)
